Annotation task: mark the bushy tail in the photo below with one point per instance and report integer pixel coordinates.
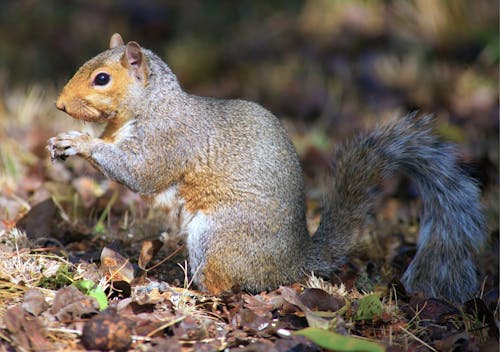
(452, 228)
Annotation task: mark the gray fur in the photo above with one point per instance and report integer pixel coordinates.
(237, 154)
(452, 227)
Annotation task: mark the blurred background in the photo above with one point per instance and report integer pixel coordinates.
(327, 68)
(332, 60)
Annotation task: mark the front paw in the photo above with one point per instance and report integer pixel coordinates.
(69, 143)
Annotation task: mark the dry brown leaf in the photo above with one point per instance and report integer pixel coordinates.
(70, 303)
(148, 251)
(115, 266)
(27, 332)
(34, 302)
(319, 300)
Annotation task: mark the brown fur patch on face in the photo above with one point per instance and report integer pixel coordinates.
(82, 99)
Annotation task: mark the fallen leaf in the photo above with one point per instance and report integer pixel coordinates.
(369, 307)
(190, 329)
(263, 304)
(314, 319)
(320, 300)
(253, 323)
(34, 302)
(115, 266)
(27, 332)
(148, 251)
(70, 303)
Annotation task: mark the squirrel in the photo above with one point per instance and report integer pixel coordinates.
(227, 175)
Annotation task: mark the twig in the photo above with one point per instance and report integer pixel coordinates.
(164, 326)
(178, 249)
(66, 331)
(418, 339)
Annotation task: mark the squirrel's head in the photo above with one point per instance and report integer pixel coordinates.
(101, 87)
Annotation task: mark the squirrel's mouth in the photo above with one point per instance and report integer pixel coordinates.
(86, 112)
(99, 117)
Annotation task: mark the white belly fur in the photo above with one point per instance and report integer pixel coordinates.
(182, 222)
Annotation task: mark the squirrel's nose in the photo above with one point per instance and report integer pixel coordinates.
(60, 105)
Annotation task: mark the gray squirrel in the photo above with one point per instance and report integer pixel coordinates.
(227, 175)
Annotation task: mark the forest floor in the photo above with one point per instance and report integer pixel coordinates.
(73, 243)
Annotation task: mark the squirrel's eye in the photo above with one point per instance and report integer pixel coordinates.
(101, 79)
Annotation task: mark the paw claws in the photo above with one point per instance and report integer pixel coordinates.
(66, 144)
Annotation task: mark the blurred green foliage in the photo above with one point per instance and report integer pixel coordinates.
(304, 59)
(49, 39)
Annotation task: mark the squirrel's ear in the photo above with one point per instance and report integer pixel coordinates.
(133, 59)
(116, 40)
